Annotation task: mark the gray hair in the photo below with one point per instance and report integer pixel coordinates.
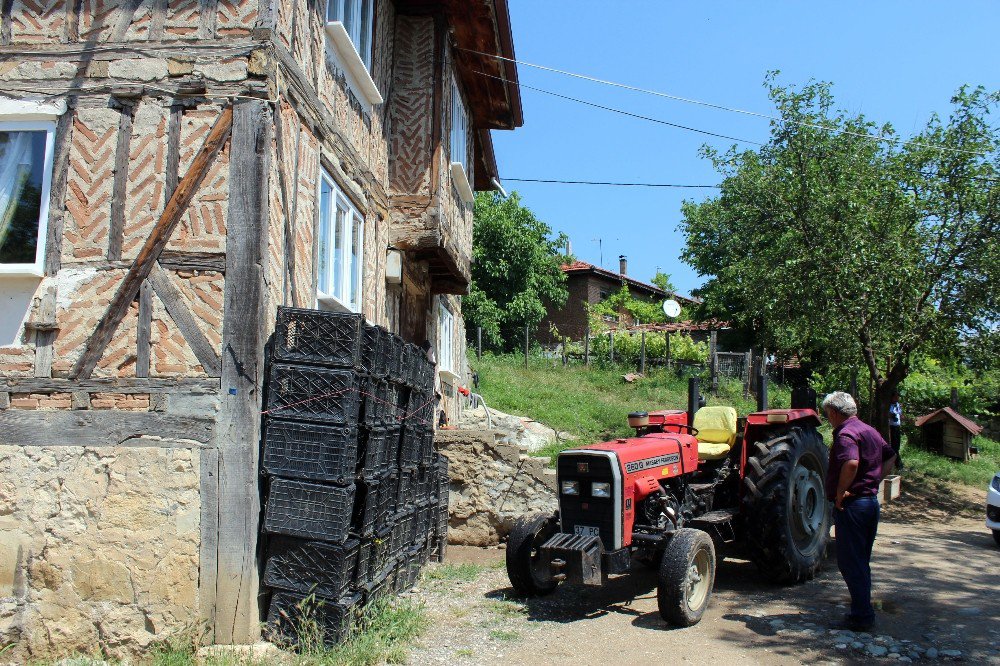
(840, 402)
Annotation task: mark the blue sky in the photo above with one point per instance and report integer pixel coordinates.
(895, 62)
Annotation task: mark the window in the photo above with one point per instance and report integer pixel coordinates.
(459, 128)
(341, 249)
(446, 336)
(356, 15)
(25, 173)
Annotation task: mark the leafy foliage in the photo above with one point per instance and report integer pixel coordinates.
(628, 348)
(641, 310)
(515, 271)
(847, 250)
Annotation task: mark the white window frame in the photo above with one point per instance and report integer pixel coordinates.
(459, 144)
(446, 340)
(335, 293)
(37, 268)
(350, 27)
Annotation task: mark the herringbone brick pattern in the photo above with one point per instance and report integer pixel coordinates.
(85, 298)
(170, 354)
(284, 23)
(17, 361)
(237, 17)
(182, 18)
(98, 19)
(274, 277)
(203, 227)
(89, 185)
(119, 358)
(37, 21)
(305, 213)
(304, 39)
(203, 293)
(411, 106)
(145, 190)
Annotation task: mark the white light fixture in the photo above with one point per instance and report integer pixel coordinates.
(393, 266)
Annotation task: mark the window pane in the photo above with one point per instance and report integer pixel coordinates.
(365, 43)
(339, 242)
(335, 10)
(458, 126)
(22, 160)
(352, 21)
(357, 254)
(325, 203)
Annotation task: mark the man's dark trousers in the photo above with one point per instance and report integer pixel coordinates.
(856, 525)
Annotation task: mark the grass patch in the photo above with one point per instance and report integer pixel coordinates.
(504, 609)
(593, 403)
(504, 635)
(465, 652)
(455, 573)
(977, 472)
(385, 633)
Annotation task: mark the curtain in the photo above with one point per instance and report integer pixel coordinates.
(15, 168)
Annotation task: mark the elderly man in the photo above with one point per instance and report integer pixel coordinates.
(857, 459)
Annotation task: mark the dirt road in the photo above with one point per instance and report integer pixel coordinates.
(937, 584)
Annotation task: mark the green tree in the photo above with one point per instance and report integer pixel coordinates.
(847, 250)
(662, 280)
(515, 272)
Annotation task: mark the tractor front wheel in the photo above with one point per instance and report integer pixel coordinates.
(529, 575)
(787, 513)
(687, 576)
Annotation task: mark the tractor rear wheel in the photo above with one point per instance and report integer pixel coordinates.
(787, 513)
(529, 575)
(686, 578)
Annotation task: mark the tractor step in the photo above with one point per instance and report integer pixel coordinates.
(716, 517)
(698, 488)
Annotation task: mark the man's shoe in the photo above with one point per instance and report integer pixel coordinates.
(851, 623)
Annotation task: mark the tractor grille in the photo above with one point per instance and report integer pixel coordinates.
(583, 510)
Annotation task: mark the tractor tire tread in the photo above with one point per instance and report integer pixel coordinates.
(672, 577)
(518, 556)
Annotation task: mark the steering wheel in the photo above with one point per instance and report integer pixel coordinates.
(691, 429)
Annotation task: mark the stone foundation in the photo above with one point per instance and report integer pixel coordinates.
(99, 548)
(492, 484)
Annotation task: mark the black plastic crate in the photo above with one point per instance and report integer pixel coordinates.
(311, 567)
(307, 393)
(406, 484)
(362, 574)
(425, 375)
(317, 337)
(309, 510)
(372, 398)
(289, 612)
(420, 409)
(409, 448)
(372, 453)
(428, 455)
(394, 411)
(366, 507)
(393, 351)
(422, 520)
(372, 350)
(378, 589)
(301, 450)
(392, 434)
(386, 497)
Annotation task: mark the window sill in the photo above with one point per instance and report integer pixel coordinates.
(449, 375)
(21, 272)
(461, 180)
(332, 304)
(357, 74)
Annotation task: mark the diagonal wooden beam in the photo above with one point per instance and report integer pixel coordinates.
(173, 300)
(151, 249)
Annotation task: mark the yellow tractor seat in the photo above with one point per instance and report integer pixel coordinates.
(716, 428)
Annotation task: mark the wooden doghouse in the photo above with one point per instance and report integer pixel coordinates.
(948, 432)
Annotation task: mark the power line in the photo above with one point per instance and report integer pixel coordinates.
(624, 113)
(599, 182)
(720, 107)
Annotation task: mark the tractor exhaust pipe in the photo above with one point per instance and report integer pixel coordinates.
(694, 399)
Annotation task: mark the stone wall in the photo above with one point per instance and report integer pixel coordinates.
(98, 548)
(492, 484)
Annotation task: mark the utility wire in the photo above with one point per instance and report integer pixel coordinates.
(624, 113)
(598, 182)
(720, 107)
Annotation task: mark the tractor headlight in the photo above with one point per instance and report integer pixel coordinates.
(996, 483)
(600, 489)
(570, 487)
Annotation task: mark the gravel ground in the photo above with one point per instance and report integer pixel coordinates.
(936, 581)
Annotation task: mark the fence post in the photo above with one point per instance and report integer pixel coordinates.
(748, 362)
(666, 339)
(762, 401)
(642, 353)
(479, 343)
(525, 346)
(564, 350)
(586, 347)
(713, 360)
(611, 334)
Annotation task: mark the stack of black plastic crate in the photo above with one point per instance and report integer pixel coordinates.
(355, 490)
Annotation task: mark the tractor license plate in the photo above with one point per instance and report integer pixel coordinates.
(586, 530)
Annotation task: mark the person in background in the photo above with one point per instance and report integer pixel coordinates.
(895, 427)
(859, 458)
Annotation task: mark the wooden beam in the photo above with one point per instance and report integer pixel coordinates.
(125, 15)
(117, 234)
(23, 427)
(73, 10)
(158, 19)
(173, 148)
(176, 260)
(208, 481)
(172, 298)
(144, 331)
(243, 334)
(5, 11)
(154, 245)
(45, 333)
(287, 284)
(208, 18)
(184, 385)
(57, 190)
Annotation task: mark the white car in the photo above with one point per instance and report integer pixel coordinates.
(993, 507)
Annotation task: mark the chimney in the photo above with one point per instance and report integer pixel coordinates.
(569, 248)
(623, 264)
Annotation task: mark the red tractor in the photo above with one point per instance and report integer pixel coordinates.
(686, 486)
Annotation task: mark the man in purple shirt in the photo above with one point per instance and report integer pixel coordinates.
(859, 458)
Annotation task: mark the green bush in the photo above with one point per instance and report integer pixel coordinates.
(628, 348)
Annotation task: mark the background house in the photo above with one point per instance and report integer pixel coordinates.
(175, 171)
(589, 285)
